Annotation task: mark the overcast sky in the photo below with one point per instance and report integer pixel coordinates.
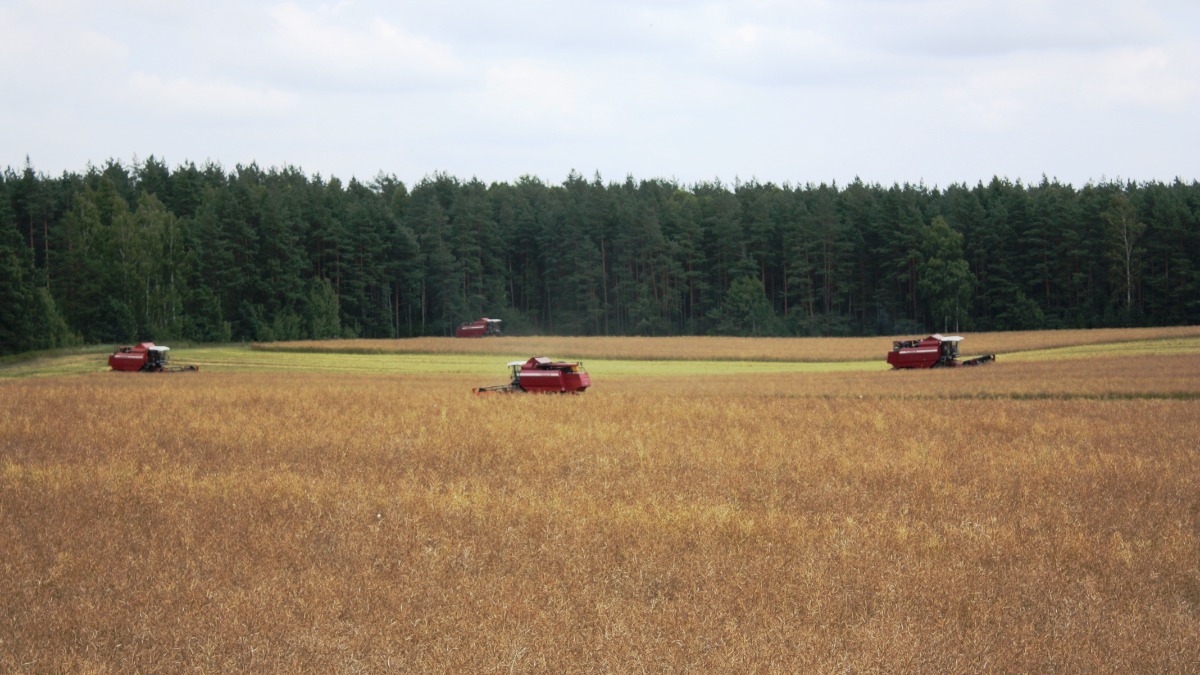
(892, 91)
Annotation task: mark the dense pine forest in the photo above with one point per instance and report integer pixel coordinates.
(144, 251)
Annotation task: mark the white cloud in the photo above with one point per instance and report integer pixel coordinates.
(17, 40)
(71, 52)
(184, 95)
(981, 28)
(537, 97)
(1149, 77)
(779, 89)
(331, 47)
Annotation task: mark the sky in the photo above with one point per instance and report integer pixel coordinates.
(804, 91)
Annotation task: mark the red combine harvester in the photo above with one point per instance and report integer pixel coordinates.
(146, 357)
(540, 375)
(935, 351)
(484, 327)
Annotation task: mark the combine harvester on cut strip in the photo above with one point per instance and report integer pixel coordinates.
(935, 351)
(146, 357)
(484, 327)
(540, 375)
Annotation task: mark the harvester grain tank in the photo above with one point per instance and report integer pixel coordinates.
(484, 327)
(145, 357)
(935, 351)
(540, 375)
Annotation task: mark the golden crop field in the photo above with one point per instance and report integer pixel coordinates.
(1025, 516)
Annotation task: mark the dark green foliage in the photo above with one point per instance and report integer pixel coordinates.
(47, 328)
(16, 291)
(322, 318)
(944, 278)
(204, 320)
(146, 252)
(746, 311)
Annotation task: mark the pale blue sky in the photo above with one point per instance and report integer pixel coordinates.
(806, 91)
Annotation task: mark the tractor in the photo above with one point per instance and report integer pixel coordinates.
(540, 375)
(935, 351)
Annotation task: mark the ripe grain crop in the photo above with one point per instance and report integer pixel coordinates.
(349, 522)
(735, 348)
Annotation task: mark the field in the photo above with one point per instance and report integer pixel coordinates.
(823, 350)
(705, 507)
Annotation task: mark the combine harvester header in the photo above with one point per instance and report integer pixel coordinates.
(935, 351)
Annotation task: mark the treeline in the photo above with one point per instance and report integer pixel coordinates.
(201, 253)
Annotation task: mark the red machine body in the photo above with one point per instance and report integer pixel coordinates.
(540, 375)
(935, 351)
(145, 357)
(484, 327)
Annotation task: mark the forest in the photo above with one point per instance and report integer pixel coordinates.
(143, 251)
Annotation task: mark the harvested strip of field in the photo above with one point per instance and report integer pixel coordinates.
(1134, 375)
(481, 365)
(57, 362)
(1160, 347)
(1099, 377)
(731, 348)
(1028, 341)
(492, 366)
(241, 358)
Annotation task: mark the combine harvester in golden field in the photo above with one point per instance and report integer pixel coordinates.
(146, 357)
(484, 327)
(935, 351)
(540, 375)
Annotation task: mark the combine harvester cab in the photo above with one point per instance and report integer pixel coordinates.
(484, 327)
(935, 351)
(540, 375)
(145, 357)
